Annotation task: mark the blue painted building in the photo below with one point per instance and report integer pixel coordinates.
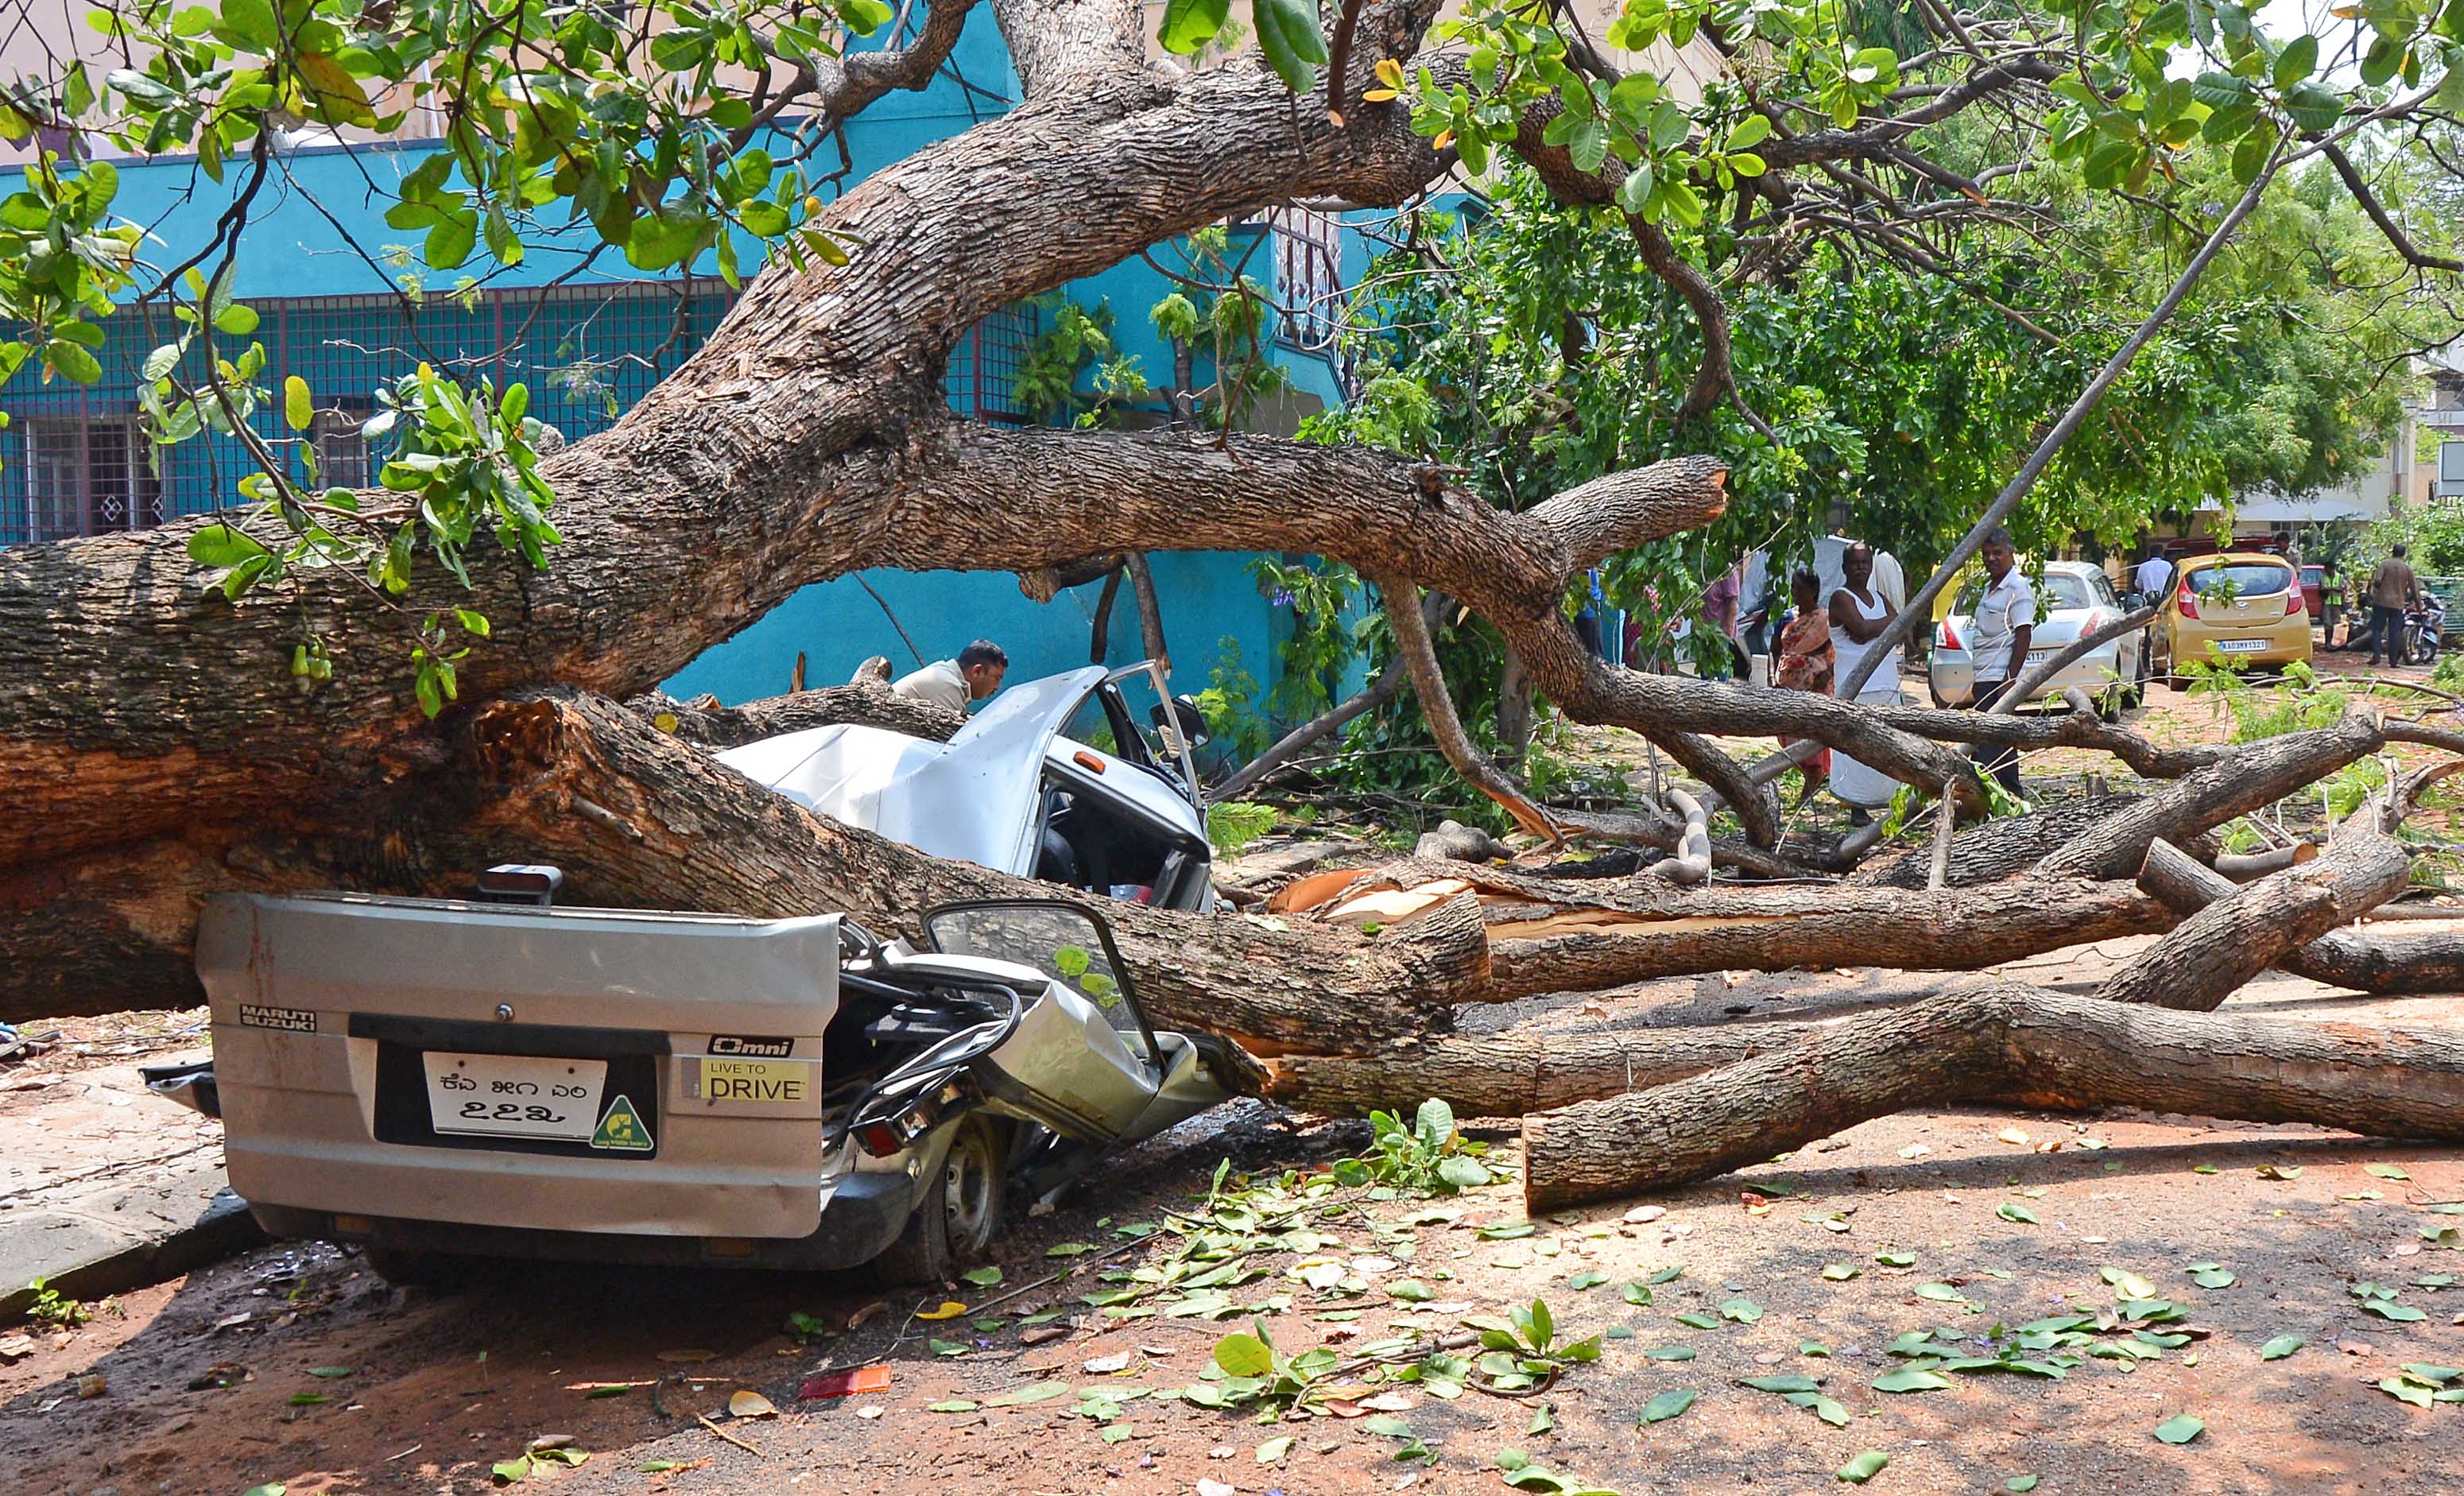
(345, 304)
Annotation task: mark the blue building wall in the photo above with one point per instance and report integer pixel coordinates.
(590, 351)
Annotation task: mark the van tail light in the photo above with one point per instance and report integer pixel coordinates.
(2294, 603)
(2188, 600)
(1949, 637)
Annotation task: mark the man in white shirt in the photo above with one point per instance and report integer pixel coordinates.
(975, 675)
(2154, 574)
(2004, 621)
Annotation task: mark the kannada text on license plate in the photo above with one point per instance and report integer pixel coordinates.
(2241, 645)
(511, 1095)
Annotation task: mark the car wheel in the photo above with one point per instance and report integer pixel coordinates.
(960, 1214)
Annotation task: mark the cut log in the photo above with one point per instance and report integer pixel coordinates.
(2027, 1046)
(2387, 965)
(2206, 957)
(2247, 777)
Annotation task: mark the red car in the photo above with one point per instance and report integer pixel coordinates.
(2314, 582)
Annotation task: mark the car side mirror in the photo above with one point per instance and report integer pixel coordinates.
(1186, 720)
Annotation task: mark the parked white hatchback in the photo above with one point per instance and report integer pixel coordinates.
(2073, 598)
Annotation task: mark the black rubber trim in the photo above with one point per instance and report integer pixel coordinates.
(546, 1041)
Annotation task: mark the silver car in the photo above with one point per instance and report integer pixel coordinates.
(500, 1076)
(2073, 598)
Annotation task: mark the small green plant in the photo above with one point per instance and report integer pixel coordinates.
(1518, 1352)
(1229, 705)
(2216, 587)
(1427, 1157)
(1234, 825)
(54, 1308)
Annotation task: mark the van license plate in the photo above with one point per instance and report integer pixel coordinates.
(511, 1095)
(2241, 646)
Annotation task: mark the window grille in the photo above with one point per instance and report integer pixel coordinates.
(1309, 276)
(74, 460)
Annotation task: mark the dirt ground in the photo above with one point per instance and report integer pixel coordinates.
(294, 1364)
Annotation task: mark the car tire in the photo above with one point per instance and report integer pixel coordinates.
(959, 1215)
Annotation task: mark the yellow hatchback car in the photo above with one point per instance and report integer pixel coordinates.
(2238, 609)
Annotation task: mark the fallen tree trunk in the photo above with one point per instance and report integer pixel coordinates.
(2242, 781)
(862, 705)
(1997, 1038)
(2387, 965)
(1995, 849)
(640, 820)
(1575, 949)
(1564, 934)
(2230, 941)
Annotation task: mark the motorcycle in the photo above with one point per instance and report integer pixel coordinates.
(2425, 628)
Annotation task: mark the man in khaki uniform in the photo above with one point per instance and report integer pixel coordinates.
(975, 675)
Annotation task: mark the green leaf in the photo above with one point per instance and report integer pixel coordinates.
(1909, 1379)
(1244, 1354)
(1699, 1320)
(1635, 191)
(953, 1406)
(297, 408)
(1670, 1353)
(1940, 1293)
(449, 244)
(1743, 1310)
(160, 362)
(984, 1277)
(2314, 107)
(2013, 1210)
(1864, 1468)
(1189, 24)
(219, 545)
(2298, 60)
(1749, 132)
(251, 21)
(2184, 1427)
(1434, 1124)
(1274, 1449)
(1828, 1409)
(329, 1373)
(2020, 1484)
(270, 1488)
(1668, 1405)
(505, 1472)
(1779, 1384)
(1032, 1392)
(1288, 33)
(2282, 1346)
(72, 361)
(2385, 1171)
(1636, 1293)
(2250, 159)
(1896, 1259)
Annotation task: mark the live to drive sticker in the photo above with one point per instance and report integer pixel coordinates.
(774, 1082)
